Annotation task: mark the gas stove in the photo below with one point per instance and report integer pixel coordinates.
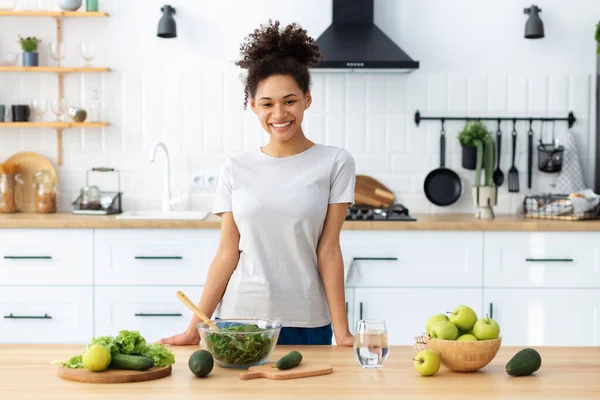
(365, 212)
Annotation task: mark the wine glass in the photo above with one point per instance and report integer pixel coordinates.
(57, 52)
(87, 52)
(59, 108)
(371, 343)
(39, 108)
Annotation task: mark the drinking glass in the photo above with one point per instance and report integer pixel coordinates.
(59, 108)
(371, 343)
(87, 52)
(57, 52)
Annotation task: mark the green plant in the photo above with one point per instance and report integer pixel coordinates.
(597, 37)
(489, 155)
(29, 44)
(242, 348)
(472, 132)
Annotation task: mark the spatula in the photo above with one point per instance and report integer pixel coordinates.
(185, 300)
(513, 173)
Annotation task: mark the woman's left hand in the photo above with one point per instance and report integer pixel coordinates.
(347, 340)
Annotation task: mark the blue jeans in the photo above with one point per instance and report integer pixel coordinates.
(289, 335)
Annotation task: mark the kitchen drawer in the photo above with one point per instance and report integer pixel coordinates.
(542, 259)
(153, 311)
(412, 259)
(153, 257)
(46, 314)
(46, 257)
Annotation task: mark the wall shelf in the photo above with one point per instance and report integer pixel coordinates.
(51, 124)
(56, 14)
(58, 70)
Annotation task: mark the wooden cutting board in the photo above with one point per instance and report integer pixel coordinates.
(305, 369)
(29, 163)
(112, 375)
(370, 191)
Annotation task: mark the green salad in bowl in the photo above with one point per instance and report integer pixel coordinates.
(240, 343)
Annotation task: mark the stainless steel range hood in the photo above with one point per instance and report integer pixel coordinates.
(353, 42)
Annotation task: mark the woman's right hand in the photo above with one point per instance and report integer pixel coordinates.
(183, 339)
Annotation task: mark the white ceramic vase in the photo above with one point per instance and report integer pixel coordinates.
(69, 5)
(484, 199)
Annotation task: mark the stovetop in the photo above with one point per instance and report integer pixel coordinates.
(365, 212)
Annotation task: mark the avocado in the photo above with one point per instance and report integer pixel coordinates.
(201, 363)
(525, 362)
(290, 360)
(127, 361)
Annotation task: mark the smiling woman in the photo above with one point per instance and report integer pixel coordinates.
(283, 205)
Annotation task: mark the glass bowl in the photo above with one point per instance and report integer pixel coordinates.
(9, 59)
(240, 343)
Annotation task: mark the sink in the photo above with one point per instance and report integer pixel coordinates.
(193, 215)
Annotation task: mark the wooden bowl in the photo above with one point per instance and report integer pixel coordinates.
(465, 356)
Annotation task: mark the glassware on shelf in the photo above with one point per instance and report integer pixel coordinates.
(39, 108)
(87, 51)
(59, 108)
(7, 5)
(30, 5)
(45, 192)
(57, 52)
(371, 343)
(9, 59)
(95, 107)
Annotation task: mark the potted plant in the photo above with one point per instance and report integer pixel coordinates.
(597, 37)
(485, 197)
(30, 54)
(469, 136)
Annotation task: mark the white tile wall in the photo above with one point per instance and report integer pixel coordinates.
(175, 92)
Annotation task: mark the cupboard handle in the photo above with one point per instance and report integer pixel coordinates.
(27, 257)
(158, 258)
(375, 259)
(11, 316)
(549, 259)
(492, 310)
(158, 315)
(361, 311)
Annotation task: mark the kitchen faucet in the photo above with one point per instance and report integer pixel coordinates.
(166, 202)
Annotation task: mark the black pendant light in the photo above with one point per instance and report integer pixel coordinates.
(166, 26)
(534, 27)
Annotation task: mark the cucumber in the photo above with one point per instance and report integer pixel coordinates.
(201, 363)
(126, 361)
(290, 360)
(525, 362)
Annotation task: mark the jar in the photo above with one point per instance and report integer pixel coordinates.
(89, 198)
(8, 188)
(45, 192)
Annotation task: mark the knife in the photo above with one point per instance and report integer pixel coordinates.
(529, 155)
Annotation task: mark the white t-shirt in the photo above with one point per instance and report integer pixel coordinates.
(279, 206)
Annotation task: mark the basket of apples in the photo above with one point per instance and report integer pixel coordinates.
(460, 341)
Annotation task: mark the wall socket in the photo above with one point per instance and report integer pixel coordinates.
(204, 180)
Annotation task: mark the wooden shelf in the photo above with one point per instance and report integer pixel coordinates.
(59, 70)
(58, 14)
(50, 124)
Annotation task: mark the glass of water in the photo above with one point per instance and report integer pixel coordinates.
(371, 343)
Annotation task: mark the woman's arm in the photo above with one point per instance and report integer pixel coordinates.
(331, 268)
(224, 263)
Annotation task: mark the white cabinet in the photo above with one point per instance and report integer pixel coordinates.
(546, 317)
(154, 256)
(412, 259)
(153, 311)
(542, 259)
(406, 311)
(46, 256)
(46, 314)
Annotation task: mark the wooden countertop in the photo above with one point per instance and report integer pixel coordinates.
(566, 373)
(425, 222)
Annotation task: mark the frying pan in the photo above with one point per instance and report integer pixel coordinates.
(442, 185)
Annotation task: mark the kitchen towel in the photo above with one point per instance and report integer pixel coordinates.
(570, 178)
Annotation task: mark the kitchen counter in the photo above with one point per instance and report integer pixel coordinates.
(425, 222)
(566, 373)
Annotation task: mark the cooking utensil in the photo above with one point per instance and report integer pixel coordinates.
(30, 163)
(303, 370)
(529, 155)
(550, 155)
(370, 191)
(443, 186)
(513, 173)
(112, 375)
(498, 174)
(185, 300)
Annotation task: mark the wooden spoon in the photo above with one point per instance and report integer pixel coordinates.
(185, 300)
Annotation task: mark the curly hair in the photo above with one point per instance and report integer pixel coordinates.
(268, 51)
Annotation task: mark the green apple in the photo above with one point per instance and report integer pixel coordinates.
(466, 338)
(432, 320)
(427, 362)
(486, 329)
(444, 330)
(463, 317)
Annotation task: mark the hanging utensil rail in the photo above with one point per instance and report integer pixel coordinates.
(570, 118)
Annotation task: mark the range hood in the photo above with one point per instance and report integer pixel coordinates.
(353, 42)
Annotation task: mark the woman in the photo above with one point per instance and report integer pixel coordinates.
(282, 207)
